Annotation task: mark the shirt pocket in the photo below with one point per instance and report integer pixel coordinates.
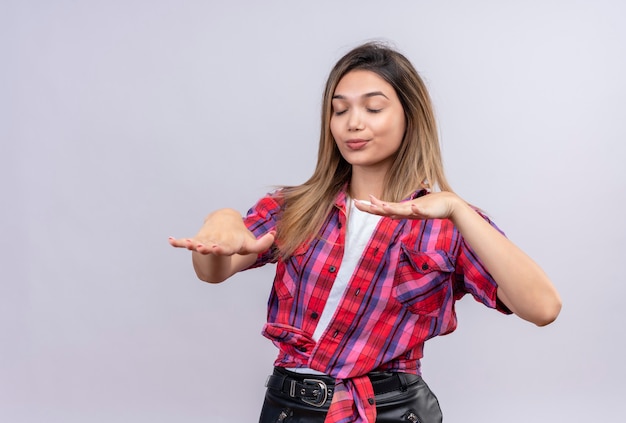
(423, 280)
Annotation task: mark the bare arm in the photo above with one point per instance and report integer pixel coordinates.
(223, 246)
(522, 284)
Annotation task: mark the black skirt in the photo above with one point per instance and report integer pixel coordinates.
(299, 398)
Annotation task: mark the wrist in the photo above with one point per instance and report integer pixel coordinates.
(458, 208)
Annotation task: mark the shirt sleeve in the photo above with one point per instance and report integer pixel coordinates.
(260, 219)
(472, 277)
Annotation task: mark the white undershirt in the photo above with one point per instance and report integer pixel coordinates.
(359, 230)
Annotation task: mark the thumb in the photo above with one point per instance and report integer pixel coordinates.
(261, 244)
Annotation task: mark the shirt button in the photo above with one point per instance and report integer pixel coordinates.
(314, 315)
(425, 266)
(371, 401)
(358, 291)
(332, 269)
(335, 334)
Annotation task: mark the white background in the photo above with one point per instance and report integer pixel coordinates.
(124, 122)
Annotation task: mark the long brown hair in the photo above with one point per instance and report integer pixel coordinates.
(417, 162)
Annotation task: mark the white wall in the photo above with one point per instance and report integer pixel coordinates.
(124, 122)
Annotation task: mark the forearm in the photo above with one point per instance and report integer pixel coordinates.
(212, 268)
(522, 284)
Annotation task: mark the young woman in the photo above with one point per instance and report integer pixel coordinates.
(372, 252)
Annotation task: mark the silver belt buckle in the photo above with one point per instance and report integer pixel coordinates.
(321, 394)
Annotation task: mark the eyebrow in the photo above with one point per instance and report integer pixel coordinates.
(367, 95)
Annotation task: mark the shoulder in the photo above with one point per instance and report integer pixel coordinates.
(265, 214)
(271, 202)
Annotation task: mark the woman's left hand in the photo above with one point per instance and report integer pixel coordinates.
(439, 205)
(522, 285)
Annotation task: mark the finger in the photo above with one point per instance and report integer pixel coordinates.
(368, 207)
(222, 250)
(190, 244)
(187, 243)
(178, 242)
(376, 202)
(205, 249)
(392, 210)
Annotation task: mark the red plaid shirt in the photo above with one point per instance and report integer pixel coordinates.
(401, 294)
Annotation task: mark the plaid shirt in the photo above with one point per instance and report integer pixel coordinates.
(401, 294)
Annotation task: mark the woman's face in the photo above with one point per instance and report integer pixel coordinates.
(367, 120)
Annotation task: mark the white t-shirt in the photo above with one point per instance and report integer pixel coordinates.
(359, 230)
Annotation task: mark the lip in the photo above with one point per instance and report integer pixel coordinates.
(356, 144)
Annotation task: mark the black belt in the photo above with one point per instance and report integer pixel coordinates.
(317, 390)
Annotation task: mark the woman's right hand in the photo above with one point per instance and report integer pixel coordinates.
(224, 234)
(223, 246)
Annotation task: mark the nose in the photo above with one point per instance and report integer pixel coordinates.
(355, 121)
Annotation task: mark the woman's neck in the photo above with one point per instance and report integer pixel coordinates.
(365, 183)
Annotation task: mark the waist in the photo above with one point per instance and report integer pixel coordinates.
(317, 390)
